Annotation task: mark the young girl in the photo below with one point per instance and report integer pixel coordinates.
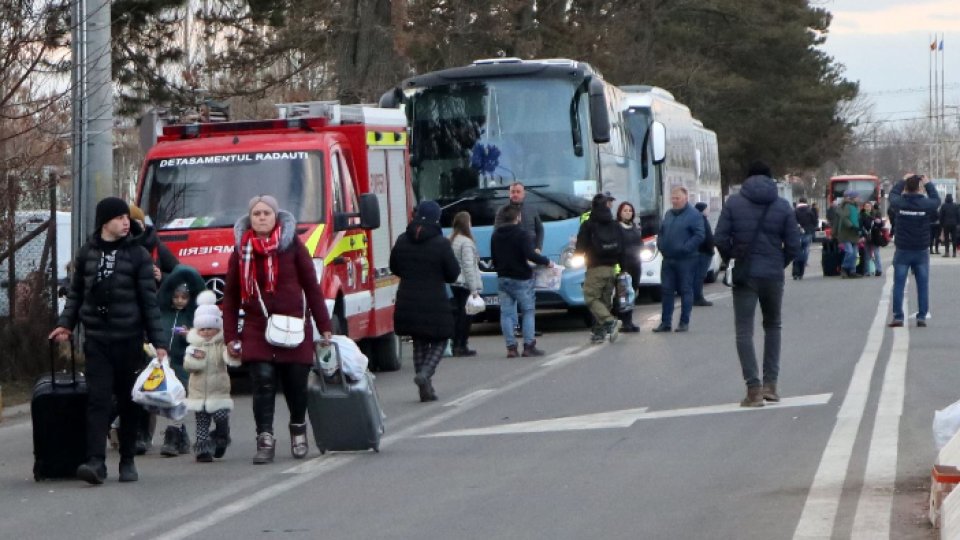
(209, 390)
(468, 282)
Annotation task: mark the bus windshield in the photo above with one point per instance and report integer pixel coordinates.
(471, 140)
(213, 191)
(867, 189)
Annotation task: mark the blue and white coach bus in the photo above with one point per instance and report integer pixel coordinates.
(554, 125)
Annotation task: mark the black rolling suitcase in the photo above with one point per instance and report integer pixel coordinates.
(59, 413)
(830, 258)
(344, 416)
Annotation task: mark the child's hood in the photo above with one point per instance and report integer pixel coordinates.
(179, 275)
(194, 338)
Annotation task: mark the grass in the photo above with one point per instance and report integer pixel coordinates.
(16, 393)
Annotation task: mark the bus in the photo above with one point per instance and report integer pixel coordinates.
(867, 185)
(554, 125)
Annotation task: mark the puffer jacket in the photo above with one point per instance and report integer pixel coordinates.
(778, 241)
(173, 318)
(465, 250)
(131, 307)
(424, 261)
(209, 387)
(681, 233)
(913, 214)
(600, 220)
(297, 279)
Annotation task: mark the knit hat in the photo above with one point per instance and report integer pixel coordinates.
(265, 199)
(429, 211)
(137, 213)
(700, 206)
(108, 209)
(207, 314)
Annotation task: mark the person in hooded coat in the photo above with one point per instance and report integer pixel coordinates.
(425, 263)
(770, 245)
(601, 240)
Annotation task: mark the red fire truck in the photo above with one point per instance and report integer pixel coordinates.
(338, 169)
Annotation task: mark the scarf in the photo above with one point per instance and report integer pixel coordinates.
(250, 246)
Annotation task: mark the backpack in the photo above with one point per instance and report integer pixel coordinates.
(606, 240)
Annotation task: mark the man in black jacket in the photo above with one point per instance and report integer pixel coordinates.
(706, 257)
(808, 221)
(914, 213)
(949, 219)
(511, 247)
(113, 294)
(600, 239)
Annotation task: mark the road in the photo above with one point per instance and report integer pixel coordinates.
(641, 438)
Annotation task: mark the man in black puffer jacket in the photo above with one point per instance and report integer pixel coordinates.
(769, 246)
(114, 296)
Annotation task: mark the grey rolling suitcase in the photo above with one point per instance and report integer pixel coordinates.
(345, 416)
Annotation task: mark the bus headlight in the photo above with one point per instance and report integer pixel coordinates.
(648, 252)
(571, 259)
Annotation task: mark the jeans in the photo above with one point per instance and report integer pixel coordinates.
(850, 253)
(293, 378)
(769, 292)
(800, 263)
(676, 275)
(598, 285)
(919, 262)
(703, 265)
(516, 293)
(112, 368)
(872, 253)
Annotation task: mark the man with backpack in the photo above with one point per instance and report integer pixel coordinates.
(600, 239)
(681, 233)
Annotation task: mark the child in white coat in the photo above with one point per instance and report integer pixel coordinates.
(206, 360)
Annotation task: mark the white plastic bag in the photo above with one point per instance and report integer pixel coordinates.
(354, 363)
(157, 386)
(474, 305)
(547, 278)
(946, 423)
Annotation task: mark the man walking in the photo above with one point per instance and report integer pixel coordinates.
(808, 221)
(704, 258)
(601, 239)
(113, 294)
(847, 233)
(511, 247)
(529, 218)
(914, 213)
(681, 233)
(759, 231)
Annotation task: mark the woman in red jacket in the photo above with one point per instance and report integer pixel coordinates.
(271, 264)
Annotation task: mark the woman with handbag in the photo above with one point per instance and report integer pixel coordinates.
(424, 261)
(467, 285)
(271, 276)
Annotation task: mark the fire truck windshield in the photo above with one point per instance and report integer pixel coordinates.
(213, 191)
(471, 140)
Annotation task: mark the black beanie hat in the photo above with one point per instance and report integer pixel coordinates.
(110, 208)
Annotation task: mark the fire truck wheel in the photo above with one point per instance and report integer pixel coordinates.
(386, 352)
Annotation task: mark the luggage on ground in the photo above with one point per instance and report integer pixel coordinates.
(344, 415)
(831, 257)
(58, 410)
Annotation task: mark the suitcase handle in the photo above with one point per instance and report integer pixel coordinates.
(319, 369)
(53, 360)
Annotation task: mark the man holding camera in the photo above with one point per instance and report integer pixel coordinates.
(913, 213)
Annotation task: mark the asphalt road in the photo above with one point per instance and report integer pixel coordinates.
(641, 438)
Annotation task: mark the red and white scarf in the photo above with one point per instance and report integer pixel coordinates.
(251, 246)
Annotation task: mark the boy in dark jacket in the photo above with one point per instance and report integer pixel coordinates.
(511, 247)
(114, 296)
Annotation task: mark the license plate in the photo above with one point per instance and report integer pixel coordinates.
(491, 300)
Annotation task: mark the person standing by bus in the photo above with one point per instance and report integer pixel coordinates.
(949, 219)
(848, 232)
(600, 239)
(681, 233)
(808, 222)
(529, 218)
(704, 259)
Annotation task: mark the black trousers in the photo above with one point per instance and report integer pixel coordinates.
(293, 378)
(112, 367)
(950, 237)
(461, 321)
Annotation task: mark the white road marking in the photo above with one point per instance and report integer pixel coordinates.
(872, 520)
(468, 398)
(573, 354)
(820, 508)
(626, 418)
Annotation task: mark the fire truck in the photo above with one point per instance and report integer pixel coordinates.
(341, 170)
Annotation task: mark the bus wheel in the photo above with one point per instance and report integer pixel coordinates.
(386, 352)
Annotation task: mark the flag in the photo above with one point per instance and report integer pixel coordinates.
(933, 46)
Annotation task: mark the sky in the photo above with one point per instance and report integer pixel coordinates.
(885, 45)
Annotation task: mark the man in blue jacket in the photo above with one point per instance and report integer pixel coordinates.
(769, 245)
(681, 233)
(913, 212)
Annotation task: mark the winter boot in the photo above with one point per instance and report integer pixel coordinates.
(204, 450)
(299, 446)
(530, 349)
(171, 442)
(128, 471)
(221, 440)
(754, 397)
(770, 392)
(597, 335)
(266, 445)
(612, 329)
(512, 351)
(183, 443)
(94, 471)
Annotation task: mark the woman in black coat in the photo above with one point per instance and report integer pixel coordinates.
(424, 261)
(632, 243)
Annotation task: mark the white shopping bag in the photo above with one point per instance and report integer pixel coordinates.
(946, 423)
(157, 386)
(474, 305)
(346, 354)
(547, 277)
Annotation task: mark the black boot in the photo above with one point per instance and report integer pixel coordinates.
(299, 447)
(204, 450)
(128, 471)
(94, 471)
(171, 442)
(221, 440)
(266, 445)
(184, 441)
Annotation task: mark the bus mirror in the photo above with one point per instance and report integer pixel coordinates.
(599, 118)
(390, 100)
(658, 142)
(369, 211)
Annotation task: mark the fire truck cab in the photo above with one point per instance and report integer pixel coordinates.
(338, 169)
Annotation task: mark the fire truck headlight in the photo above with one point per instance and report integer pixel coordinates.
(318, 268)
